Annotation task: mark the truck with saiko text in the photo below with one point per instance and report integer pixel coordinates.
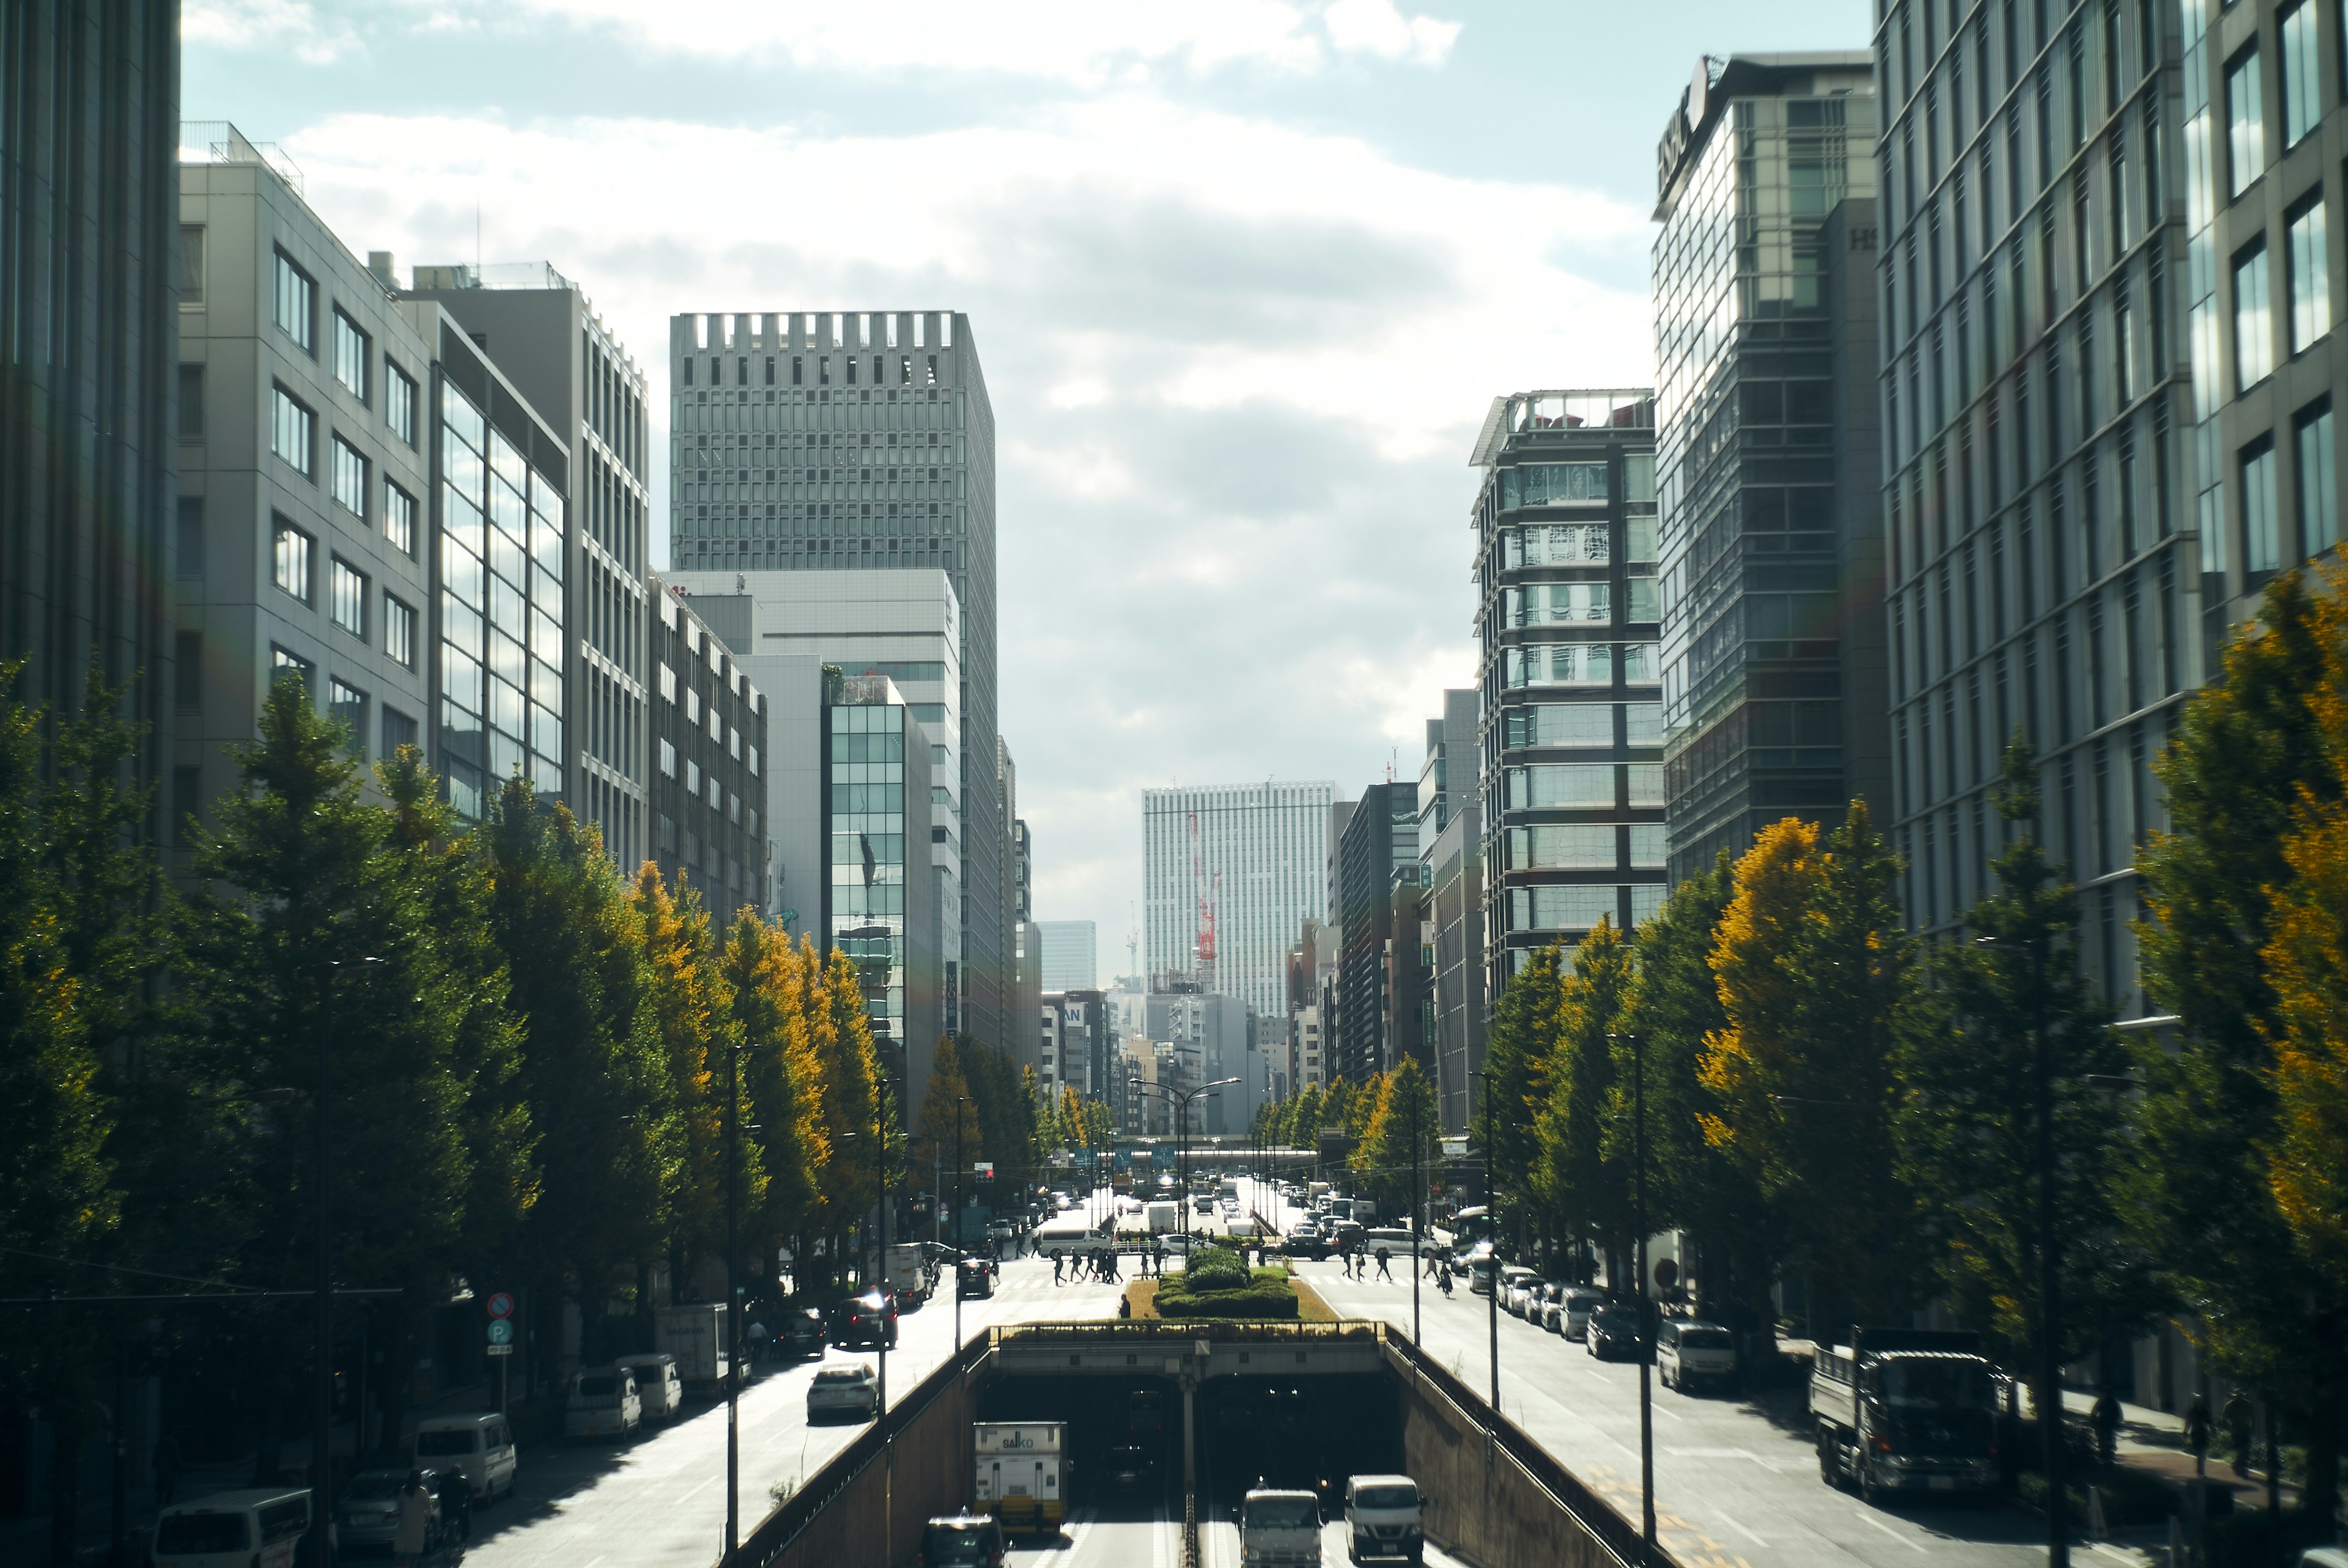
(1905, 1410)
(1022, 1476)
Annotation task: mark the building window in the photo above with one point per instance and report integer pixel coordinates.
(2311, 275)
(399, 519)
(192, 535)
(399, 402)
(285, 662)
(2318, 488)
(667, 760)
(296, 305)
(349, 478)
(347, 601)
(2253, 333)
(292, 430)
(398, 729)
(2246, 138)
(350, 356)
(290, 565)
(2259, 543)
(192, 264)
(192, 402)
(2303, 78)
(188, 670)
(399, 631)
(348, 707)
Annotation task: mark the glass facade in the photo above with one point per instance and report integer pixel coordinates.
(865, 768)
(1759, 591)
(1570, 742)
(502, 608)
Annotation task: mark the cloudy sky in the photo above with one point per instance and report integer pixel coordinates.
(1244, 274)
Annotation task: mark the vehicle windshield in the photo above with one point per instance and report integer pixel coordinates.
(841, 1375)
(598, 1387)
(1705, 1338)
(1386, 1497)
(1936, 1386)
(1280, 1513)
(190, 1534)
(950, 1547)
(382, 1483)
(444, 1442)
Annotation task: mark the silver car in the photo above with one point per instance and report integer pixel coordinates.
(1575, 1308)
(853, 1390)
(1516, 1283)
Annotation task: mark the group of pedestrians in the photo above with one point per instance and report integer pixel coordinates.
(1357, 1264)
(1097, 1263)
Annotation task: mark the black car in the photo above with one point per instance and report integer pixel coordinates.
(867, 1319)
(1128, 1470)
(799, 1336)
(975, 1278)
(1614, 1333)
(962, 1541)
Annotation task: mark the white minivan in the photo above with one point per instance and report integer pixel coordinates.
(658, 1384)
(233, 1530)
(1689, 1350)
(602, 1403)
(481, 1446)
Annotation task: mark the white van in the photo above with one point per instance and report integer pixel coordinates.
(602, 1403)
(480, 1446)
(1689, 1350)
(1280, 1530)
(658, 1384)
(1382, 1518)
(233, 1530)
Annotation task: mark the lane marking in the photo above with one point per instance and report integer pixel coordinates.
(1738, 1527)
(1870, 1519)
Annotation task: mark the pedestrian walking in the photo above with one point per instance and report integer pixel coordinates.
(414, 1528)
(1433, 1268)
(2237, 1416)
(167, 1468)
(1056, 1261)
(1384, 1273)
(2196, 1434)
(2106, 1420)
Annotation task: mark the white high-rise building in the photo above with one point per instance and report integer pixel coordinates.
(1069, 946)
(1255, 854)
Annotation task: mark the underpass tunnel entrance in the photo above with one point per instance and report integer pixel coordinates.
(1306, 1432)
(1123, 1437)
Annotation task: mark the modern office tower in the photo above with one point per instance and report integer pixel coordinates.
(900, 624)
(1087, 1042)
(2043, 571)
(1766, 441)
(1450, 850)
(1069, 955)
(1377, 860)
(365, 500)
(538, 329)
(880, 909)
(1249, 854)
(1212, 1041)
(853, 442)
(1026, 991)
(1023, 871)
(710, 745)
(1311, 968)
(1572, 789)
(1050, 1059)
(89, 334)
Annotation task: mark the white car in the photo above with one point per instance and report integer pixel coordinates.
(1516, 1282)
(853, 1390)
(1575, 1309)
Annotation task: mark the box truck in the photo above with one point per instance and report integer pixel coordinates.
(1023, 1477)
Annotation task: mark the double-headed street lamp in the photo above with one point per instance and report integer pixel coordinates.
(1181, 1098)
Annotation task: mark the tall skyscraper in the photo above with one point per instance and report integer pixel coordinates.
(1766, 440)
(848, 441)
(1377, 893)
(89, 332)
(1070, 955)
(1572, 788)
(2044, 571)
(541, 330)
(1251, 854)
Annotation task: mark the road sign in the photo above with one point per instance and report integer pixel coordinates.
(1667, 1272)
(501, 1305)
(500, 1332)
(500, 1350)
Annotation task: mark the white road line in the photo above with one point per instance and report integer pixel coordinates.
(1870, 1519)
(1740, 1529)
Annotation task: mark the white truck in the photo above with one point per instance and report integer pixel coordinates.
(906, 1270)
(1906, 1409)
(1022, 1474)
(1162, 1217)
(695, 1338)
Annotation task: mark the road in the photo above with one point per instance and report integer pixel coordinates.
(1737, 1483)
(661, 1501)
(1096, 1539)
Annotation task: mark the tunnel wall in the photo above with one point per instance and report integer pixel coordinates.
(1494, 1496)
(829, 1522)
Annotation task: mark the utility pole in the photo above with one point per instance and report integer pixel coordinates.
(960, 1100)
(1491, 1242)
(1646, 1321)
(1417, 1224)
(321, 1412)
(732, 1298)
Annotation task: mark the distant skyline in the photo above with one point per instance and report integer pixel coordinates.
(1071, 955)
(1245, 275)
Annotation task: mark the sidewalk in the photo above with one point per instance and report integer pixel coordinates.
(2153, 1441)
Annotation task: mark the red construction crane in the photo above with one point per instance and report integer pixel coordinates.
(1206, 962)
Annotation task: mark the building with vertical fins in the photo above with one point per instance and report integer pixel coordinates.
(1253, 855)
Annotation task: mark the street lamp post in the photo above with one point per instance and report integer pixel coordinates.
(2050, 1284)
(1181, 1098)
(1491, 1240)
(1646, 1324)
(1417, 1221)
(960, 1100)
(322, 1414)
(733, 1297)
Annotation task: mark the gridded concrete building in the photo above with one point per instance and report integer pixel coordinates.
(1070, 949)
(1769, 476)
(2045, 565)
(539, 329)
(1256, 857)
(1451, 853)
(1571, 790)
(852, 441)
(1377, 893)
(710, 752)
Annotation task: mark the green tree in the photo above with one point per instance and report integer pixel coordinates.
(1968, 1118)
(765, 974)
(1817, 981)
(1403, 1134)
(948, 1118)
(1517, 1053)
(1581, 1168)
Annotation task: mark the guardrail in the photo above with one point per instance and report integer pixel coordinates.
(1215, 1331)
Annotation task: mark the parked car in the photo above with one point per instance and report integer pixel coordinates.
(229, 1529)
(1689, 1350)
(1516, 1282)
(367, 1515)
(853, 1390)
(602, 1403)
(658, 1384)
(1574, 1307)
(867, 1319)
(1614, 1333)
(481, 1445)
(799, 1334)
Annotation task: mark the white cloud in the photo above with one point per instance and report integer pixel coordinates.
(265, 24)
(1081, 42)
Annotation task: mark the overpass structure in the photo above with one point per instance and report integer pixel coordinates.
(1290, 1403)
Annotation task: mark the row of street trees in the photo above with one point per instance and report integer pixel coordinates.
(1831, 1102)
(526, 1060)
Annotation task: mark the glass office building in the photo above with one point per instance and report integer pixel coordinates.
(877, 824)
(1572, 789)
(1771, 539)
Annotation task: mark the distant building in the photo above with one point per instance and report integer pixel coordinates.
(1451, 856)
(1249, 854)
(1069, 955)
(709, 745)
(1214, 1035)
(1377, 876)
